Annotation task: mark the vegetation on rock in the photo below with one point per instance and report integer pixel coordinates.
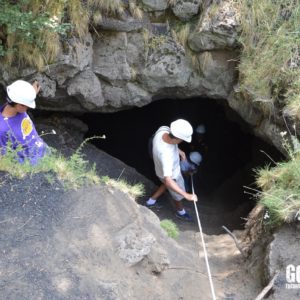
(270, 57)
(73, 172)
(270, 72)
(280, 186)
(31, 30)
(170, 227)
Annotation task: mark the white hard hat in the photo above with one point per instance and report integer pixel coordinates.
(200, 129)
(182, 129)
(195, 157)
(22, 92)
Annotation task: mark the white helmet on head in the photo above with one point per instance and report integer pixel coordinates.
(22, 92)
(200, 129)
(195, 157)
(182, 129)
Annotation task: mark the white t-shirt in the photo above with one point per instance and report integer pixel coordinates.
(165, 156)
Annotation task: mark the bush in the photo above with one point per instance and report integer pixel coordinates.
(280, 186)
(170, 227)
(73, 172)
(30, 30)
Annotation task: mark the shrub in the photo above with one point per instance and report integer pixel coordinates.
(280, 186)
(73, 172)
(30, 30)
(170, 227)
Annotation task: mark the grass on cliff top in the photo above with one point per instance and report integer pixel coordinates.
(280, 187)
(270, 58)
(73, 172)
(31, 31)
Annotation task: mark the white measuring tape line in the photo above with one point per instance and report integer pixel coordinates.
(204, 247)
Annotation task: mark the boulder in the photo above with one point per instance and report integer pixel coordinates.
(166, 66)
(48, 85)
(218, 72)
(86, 87)
(110, 57)
(254, 113)
(217, 28)
(155, 5)
(283, 257)
(75, 56)
(186, 9)
(127, 25)
(130, 95)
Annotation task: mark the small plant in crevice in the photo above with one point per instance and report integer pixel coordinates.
(180, 34)
(133, 190)
(135, 10)
(170, 227)
(280, 188)
(152, 41)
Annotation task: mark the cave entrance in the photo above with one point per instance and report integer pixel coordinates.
(227, 167)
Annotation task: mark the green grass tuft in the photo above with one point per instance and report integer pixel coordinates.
(133, 190)
(170, 227)
(280, 187)
(73, 172)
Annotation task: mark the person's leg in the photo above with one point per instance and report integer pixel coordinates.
(161, 189)
(180, 211)
(152, 200)
(178, 205)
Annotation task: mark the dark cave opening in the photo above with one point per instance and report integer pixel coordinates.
(233, 152)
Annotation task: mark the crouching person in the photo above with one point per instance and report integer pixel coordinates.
(189, 167)
(16, 128)
(166, 157)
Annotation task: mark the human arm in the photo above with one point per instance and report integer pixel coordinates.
(36, 86)
(182, 154)
(171, 183)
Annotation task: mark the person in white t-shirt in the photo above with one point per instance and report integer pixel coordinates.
(166, 157)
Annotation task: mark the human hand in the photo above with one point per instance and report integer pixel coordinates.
(36, 86)
(192, 197)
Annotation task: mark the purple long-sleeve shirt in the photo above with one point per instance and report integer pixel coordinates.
(21, 132)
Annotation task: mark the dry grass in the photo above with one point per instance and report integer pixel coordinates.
(106, 7)
(43, 46)
(135, 10)
(270, 56)
(133, 190)
(181, 35)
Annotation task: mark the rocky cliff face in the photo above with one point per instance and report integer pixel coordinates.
(128, 62)
(180, 49)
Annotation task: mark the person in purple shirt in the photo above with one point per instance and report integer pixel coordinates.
(16, 127)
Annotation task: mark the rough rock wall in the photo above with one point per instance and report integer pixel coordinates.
(128, 62)
(94, 243)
